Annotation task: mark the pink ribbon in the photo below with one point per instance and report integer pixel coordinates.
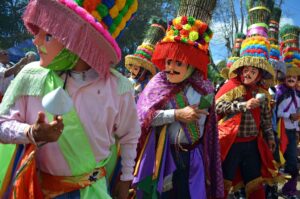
(258, 30)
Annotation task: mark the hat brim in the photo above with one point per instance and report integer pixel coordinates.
(256, 62)
(76, 29)
(224, 73)
(138, 61)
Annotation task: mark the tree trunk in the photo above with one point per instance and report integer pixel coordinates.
(242, 15)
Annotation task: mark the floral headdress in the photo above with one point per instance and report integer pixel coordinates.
(187, 40)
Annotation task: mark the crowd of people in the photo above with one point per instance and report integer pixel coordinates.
(72, 126)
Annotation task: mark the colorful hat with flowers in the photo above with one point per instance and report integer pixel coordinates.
(290, 44)
(87, 28)
(143, 55)
(254, 52)
(187, 40)
(187, 37)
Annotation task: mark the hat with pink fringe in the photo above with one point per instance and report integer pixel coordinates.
(88, 28)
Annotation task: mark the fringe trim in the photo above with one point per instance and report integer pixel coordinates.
(131, 59)
(232, 94)
(30, 81)
(124, 85)
(253, 186)
(224, 73)
(227, 185)
(291, 71)
(257, 62)
(185, 53)
(68, 25)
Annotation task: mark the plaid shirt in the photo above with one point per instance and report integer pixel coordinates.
(248, 126)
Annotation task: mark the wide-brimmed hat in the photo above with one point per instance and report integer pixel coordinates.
(143, 55)
(87, 28)
(254, 52)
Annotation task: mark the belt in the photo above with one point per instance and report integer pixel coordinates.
(53, 186)
(187, 147)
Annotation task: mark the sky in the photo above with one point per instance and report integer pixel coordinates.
(290, 15)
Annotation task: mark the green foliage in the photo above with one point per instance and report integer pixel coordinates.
(12, 30)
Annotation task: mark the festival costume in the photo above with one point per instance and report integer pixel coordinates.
(280, 71)
(178, 160)
(79, 162)
(288, 103)
(247, 160)
(143, 55)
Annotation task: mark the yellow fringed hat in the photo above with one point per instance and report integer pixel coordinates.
(254, 52)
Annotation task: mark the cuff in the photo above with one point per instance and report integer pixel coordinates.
(128, 154)
(242, 106)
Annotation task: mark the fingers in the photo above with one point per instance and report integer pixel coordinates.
(203, 112)
(41, 117)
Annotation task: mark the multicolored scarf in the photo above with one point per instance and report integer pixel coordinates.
(156, 96)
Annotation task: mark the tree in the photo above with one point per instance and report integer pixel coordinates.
(133, 35)
(12, 30)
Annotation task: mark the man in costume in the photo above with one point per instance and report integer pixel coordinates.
(245, 127)
(179, 149)
(288, 104)
(287, 110)
(139, 64)
(72, 151)
(280, 72)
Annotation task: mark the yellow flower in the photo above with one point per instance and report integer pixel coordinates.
(193, 36)
(187, 27)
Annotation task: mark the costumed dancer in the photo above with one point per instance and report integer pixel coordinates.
(287, 99)
(280, 72)
(139, 64)
(243, 108)
(53, 154)
(179, 149)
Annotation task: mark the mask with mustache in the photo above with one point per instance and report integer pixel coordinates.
(291, 81)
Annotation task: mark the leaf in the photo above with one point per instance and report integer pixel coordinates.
(206, 101)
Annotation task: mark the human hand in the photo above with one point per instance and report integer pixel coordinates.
(189, 114)
(47, 132)
(295, 116)
(122, 190)
(252, 103)
(272, 145)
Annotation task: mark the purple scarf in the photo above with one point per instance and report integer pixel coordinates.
(282, 92)
(157, 94)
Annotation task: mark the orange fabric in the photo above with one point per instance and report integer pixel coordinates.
(26, 184)
(53, 186)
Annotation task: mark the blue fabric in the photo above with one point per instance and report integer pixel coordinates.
(70, 195)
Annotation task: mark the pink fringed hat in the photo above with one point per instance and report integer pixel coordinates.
(88, 28)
